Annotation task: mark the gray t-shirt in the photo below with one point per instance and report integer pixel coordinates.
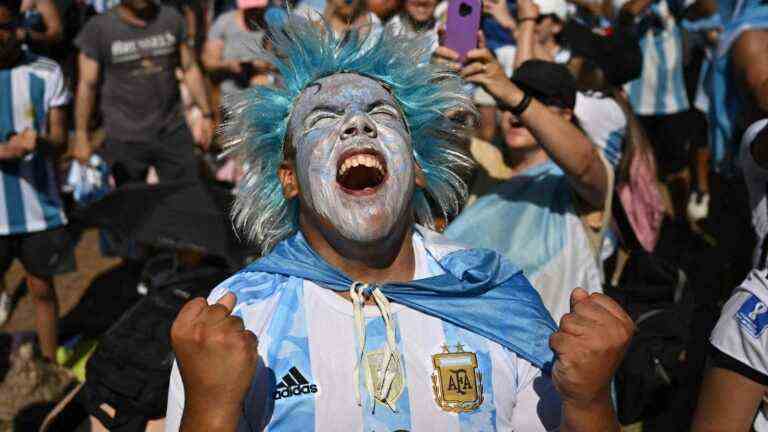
(140, 98)
(239, 44)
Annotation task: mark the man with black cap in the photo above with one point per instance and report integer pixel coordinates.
(552, 174)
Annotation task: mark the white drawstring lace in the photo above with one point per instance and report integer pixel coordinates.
(358, 291)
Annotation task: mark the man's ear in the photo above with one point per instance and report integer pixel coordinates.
(288, 179)
(420, 177)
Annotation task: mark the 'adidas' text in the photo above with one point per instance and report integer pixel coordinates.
(293, 384)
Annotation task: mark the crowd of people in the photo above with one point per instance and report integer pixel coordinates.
(563, 227)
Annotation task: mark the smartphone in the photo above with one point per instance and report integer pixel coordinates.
(462, 25)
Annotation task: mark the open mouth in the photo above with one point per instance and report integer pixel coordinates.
(361, 172)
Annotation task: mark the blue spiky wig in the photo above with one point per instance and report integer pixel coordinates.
(306, 50)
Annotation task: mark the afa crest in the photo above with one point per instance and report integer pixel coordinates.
(456, 382)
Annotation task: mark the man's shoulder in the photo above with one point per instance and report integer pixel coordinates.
(42, 66)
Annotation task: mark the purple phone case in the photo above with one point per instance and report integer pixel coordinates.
(462, 26)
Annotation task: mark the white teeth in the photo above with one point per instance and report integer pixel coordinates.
(361, 159)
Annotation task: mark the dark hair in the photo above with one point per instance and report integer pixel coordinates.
(14, 6)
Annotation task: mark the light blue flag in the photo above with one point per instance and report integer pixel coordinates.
(480, 291)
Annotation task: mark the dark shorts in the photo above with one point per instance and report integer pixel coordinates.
(41, 253)
(670, 136)
(172, 155)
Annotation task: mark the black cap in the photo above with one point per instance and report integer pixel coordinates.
(547, 82)
(617, 55)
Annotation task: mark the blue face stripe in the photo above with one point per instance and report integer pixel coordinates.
(14, 204)
(382, 418)
(289, 348)
(484, 417)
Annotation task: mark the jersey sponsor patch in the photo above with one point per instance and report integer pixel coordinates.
(293, 384)
(753, 316)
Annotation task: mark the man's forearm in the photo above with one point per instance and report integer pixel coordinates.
(596, 416)
(567, 147)
(86, 98)
(525, 41)
(196, 85)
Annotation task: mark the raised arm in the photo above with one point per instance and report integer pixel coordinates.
(52, 19)
(751, 72)
(566, 145)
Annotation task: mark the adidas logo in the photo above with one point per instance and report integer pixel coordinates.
(293, 384)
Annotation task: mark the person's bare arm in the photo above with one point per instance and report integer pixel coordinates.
(567, 146)
(727, 402)
(52, 19)
(193, 78)
(527, 13)
(213, 59)
(56, 137)
(750, 67)
(84, 106)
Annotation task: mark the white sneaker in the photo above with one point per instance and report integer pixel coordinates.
(5, 307)
(698, 206)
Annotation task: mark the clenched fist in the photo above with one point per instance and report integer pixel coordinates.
(217, 359)
(589, 345)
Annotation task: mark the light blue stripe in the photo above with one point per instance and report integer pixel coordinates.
(381, 418)
(484, 417)
(14, 204)
(289, 347)
(636, 87)
(613, 147)
(662, 84)
(46, 196)
(681, 98)
(6, 105)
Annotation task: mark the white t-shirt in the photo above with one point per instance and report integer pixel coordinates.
(308, 349)
(741, 330)
(604, 123)
(756, 178)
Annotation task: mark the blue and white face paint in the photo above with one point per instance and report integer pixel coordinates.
(354, 158)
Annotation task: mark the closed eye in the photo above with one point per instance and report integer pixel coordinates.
(385, 111)
(320, 119)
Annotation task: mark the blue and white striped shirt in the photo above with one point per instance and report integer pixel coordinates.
(308, 351)
(660, 89)
(29, 192)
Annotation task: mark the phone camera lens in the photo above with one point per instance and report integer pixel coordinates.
(465, 9)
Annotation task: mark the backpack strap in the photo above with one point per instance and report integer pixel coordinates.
(597, 238)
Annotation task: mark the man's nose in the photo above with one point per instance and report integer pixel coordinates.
(359, 124)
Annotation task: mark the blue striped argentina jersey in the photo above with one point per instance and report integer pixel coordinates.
(741, 332)
(29, 193)
(308, 351)
(660, 89)
(604, 123)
